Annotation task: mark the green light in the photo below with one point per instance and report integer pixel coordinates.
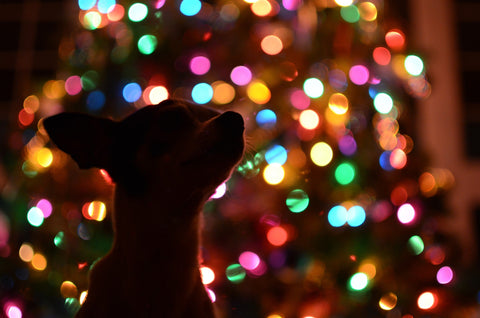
(413, 65)
(89, 80)
(59, 240)
(251, 168)
(345, 173)
(297, 201)
(137, 12)
(72, 305)
(416, 244)
(235, 273)
(92, 20)
(350, 14)
(29, 169)
(35, 217)
(358, 281)
(147, 44)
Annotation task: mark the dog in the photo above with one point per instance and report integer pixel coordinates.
(166, 161)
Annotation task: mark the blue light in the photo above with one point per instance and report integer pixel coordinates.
(190, 7)
(95, 100)
(202, 93)
(276, 154)
(266, 118)
(356, 216)
(104, 5)
(86, 4)
(132, 92)
(337, 216)
(384, 161)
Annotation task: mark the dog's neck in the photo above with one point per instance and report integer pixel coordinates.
(174, 234)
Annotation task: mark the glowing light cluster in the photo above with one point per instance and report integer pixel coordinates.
(339, 216)
(94, 210)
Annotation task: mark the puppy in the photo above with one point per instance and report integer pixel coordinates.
(166, 161)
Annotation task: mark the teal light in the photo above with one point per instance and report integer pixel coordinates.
(35, 217)
(356, 216)
(190, 7)
(276, 154)
(202, 93)
(337, 216)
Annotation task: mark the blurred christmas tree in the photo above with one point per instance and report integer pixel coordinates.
(332, 213)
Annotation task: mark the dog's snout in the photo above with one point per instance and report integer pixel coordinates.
(230, 120)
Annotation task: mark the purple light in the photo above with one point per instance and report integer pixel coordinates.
(241, 75)
(445, 275)
(347, 145)
(359, 74)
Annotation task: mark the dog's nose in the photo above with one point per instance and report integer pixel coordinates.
(230, 120)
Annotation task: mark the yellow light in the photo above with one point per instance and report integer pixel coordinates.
(388, 301)
(68, 289)
(83, 297)
(223, 93)
(338, 103)
(388, 141)
(344, 3)
(258, 92)
(275, 316)
(31, 104)
(274, 173)
(54, 89)
(97, 210)
(44, 157)
(427, 300)
(271, 45)
(158, 94)
(335, 119)
(309, 119)
(39, 262)
(261, 8)
(207, 274)
(321, 154)
(369, 269)
(368, 11)
(26, 252)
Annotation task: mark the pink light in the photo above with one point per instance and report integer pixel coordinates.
(359, 74)
(13, 311)
(159, 4)
(73, 85)
(46, 207)
(249, 260)
(291, 5)
(299, 99)
(241, 75)
(220, 191)
(211, 295)
(406, 213)
(199, 65)
(445, 275)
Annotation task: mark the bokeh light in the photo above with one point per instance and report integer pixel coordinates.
(68, 289)
(358, 281)
(105, 6)
(416, 244)
(321, 154)
(200, 65)
(337, 216)
(219, 191)
(241, 75)
(45, 206)
(395, 39)
(202, 93)
(158, 94)
(13, 311)
(413, 65)
(276, 154)
(406, 213)
(266, 118)
(382, 56)
(147, 44)
(223, 93)
(190, 7)
(313, 87)
(427, 300)
(96, 210)
(359, 74)
(309, 119)
(26, 252)
(297, 201)
(258, 92)
(271, 45)
(207, 274)
(350, 14)
(368, 11)
(35, 217)
(73, 85)
(383, 103)
(338, 103)
(388, 301)
(86, 4)
(249, 260)
(274, 173)
(277, 236)
(235, 273)
(445, 275)
(39, 262)
(137, 12)
(356, 216)
(132, 92)
(345, 173)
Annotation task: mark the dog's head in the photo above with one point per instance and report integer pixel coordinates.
(174, 146)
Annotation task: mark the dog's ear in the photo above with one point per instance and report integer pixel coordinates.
(85, 138)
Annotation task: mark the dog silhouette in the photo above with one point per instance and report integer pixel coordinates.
(166, 161)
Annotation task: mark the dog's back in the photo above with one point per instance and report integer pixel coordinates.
(166, 161)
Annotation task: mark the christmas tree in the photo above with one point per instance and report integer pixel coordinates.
(332, 212)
